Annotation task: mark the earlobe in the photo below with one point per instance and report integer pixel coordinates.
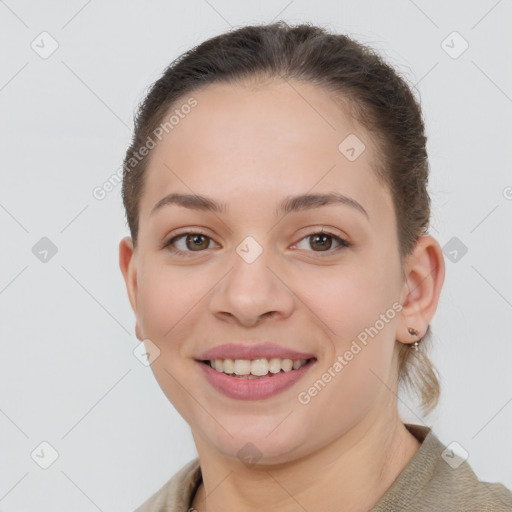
(425, 271)
(138, 332)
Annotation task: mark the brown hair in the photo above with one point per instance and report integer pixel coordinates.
(377, 97)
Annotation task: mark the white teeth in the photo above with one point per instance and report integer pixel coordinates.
(296, 365)
(242, 367)
(229, 366)
(259, 367)
(274, 365)
(286, 365)
(256, 367)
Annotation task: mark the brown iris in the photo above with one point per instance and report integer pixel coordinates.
(325, 241)
(195, 239)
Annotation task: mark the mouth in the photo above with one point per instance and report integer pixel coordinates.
(254, 379)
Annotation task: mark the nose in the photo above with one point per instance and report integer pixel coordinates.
(252, 291)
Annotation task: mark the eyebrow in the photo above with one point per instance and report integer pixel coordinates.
(291, 204)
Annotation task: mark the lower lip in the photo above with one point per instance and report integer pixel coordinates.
(253, 389)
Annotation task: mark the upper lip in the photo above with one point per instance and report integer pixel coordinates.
(251, 351)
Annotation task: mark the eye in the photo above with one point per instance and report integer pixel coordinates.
(195, 241)
(188, 242)
(322, 241)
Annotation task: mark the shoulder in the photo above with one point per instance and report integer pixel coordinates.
(461, 487)
(176, 494)
(438, 479)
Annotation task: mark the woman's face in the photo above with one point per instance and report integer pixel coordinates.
(257, 273)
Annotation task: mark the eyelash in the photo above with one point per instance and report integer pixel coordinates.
(169, 244)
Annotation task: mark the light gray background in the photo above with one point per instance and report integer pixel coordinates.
(67, 372)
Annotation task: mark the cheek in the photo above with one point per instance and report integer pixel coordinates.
(169, 305)
(168, 300)
(349, 298)
(355, 304)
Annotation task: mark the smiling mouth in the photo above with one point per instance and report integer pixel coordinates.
(257, 368)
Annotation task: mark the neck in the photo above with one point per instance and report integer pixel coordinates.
(351, 473)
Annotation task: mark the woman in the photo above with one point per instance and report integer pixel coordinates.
(283, 280)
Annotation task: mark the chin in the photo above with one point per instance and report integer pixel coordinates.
(254, 442)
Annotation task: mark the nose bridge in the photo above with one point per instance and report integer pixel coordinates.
(251, 288)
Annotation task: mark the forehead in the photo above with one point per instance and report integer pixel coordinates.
(271, 139)
(273, 115)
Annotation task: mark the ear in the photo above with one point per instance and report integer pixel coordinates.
(128, 265)
(424, 273)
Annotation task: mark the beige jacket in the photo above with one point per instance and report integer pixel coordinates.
(427, 484)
